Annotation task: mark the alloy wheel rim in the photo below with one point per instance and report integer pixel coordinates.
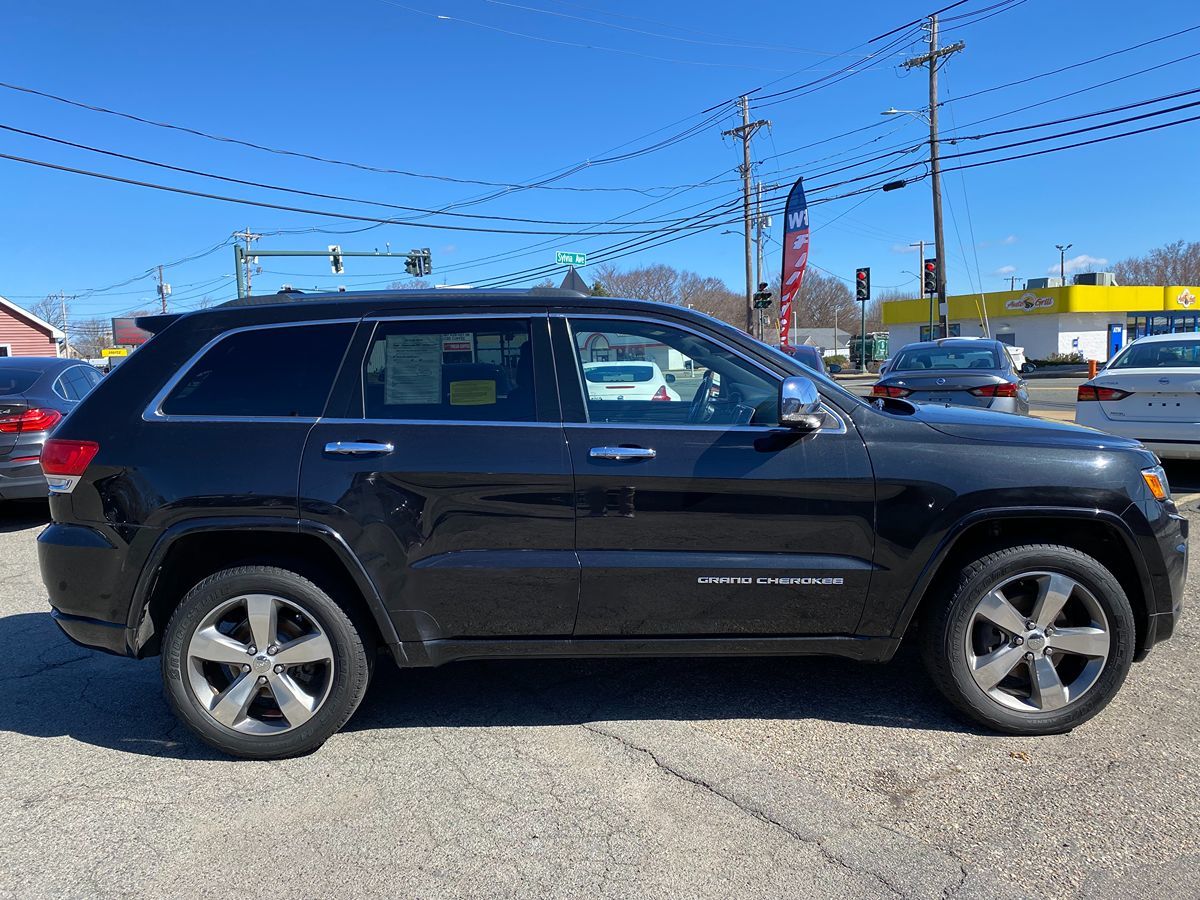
(1037, 642)
(260, 664)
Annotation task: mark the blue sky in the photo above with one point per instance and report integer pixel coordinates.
(499, 91)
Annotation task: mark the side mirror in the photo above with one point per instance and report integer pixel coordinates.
(1027, 367)
(800, 404)
(670, 378)
(835, 369)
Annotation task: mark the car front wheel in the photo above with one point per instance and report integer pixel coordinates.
(261, 663)
(1034, 640)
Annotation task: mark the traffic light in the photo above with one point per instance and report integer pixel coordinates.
(426, 261)
(929, 279)
(335, 259)
(762, 297)
(862, 285)
(413, 264)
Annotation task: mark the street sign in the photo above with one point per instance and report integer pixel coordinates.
(114, 351)
(564, 258)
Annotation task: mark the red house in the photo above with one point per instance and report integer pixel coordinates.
(24, 334)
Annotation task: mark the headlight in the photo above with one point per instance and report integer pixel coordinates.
(1156, 480)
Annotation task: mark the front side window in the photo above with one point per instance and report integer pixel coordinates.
(278, 372)
(636, 372)
(1159, 355)
(456, 370)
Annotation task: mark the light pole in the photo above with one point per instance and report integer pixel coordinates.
(1062, 261)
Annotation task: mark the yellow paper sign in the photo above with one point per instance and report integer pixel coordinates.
(472, 393)
(114, 351)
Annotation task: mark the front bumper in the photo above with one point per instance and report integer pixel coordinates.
(1164, 546)
(111, 637)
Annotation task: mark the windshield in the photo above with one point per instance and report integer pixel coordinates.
(17, 381)
(613, 374)
(917, 358)
(1160, 355)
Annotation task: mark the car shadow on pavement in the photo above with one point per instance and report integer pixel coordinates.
(51, 688)
(18, 515)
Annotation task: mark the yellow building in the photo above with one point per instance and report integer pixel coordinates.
(1095, 320)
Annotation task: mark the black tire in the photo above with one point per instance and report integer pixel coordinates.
(352, 655)
(945, 625)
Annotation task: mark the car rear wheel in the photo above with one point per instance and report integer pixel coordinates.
(1034, 640)
(261, 663)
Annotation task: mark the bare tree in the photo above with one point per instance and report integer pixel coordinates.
(90, 336)
(52, 309)
(1175, 263)
(413, 284)
(654, 282)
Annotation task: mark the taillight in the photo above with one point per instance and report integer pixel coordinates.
(68, 457)
(1093, 392)
(1007, 389)
(661, 394)
(887, 390)
(30, 420)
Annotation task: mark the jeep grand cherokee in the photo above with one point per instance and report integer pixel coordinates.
(269, 493)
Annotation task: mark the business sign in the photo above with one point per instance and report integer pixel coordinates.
(795, 256)
(458, 343)
(125, 331)
(564, 258)
(1186, 298)
(1029, 301)
(114, 351)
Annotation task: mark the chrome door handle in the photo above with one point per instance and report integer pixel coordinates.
(359, 448)
(622, 453)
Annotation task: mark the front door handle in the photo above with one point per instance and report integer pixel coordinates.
(359, 448)
(622, 453)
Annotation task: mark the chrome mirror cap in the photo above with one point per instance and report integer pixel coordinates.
(800, 404)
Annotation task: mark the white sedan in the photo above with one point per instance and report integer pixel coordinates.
(633, 380)
(1151, 392)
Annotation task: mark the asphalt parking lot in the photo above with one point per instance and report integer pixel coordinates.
(672, 778)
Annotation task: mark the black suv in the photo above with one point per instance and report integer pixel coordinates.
(270, 491)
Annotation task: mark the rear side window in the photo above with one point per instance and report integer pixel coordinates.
(264, 372)
(460, 370)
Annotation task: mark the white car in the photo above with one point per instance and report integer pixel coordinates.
(638, 379)
(1150, 391)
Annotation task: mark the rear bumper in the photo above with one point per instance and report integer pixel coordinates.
(1168, 440)
(22, 479)
(111, 637)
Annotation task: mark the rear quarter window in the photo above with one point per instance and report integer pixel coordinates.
(278, 372)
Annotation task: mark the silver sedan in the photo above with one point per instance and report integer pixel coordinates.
(956, 371)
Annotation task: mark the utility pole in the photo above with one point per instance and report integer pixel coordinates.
(1012, 282)
(745, 131)
(244, 273)
(164, 290)
(759, 223)
(935, 166)
(62, 305)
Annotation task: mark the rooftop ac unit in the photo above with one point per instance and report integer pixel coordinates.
(1104, 279)
(1038, 284)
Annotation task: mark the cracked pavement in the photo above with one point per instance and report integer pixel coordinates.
(601, 778)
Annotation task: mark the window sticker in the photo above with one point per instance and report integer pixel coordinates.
(412, 369)
(472, 393)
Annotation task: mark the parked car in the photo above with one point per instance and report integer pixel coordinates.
(633, 380)
(1150, 391)
(241, 500)
(956, 371)
(808, 356)
(35, 394)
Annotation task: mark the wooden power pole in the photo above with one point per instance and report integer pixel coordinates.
(935, 166)
(745, 131)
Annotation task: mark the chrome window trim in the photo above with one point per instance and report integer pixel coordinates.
(493, 423)
(153, 411)
(840, 428)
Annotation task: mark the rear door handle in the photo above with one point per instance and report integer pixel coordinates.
(359, 448)
(622, 453)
